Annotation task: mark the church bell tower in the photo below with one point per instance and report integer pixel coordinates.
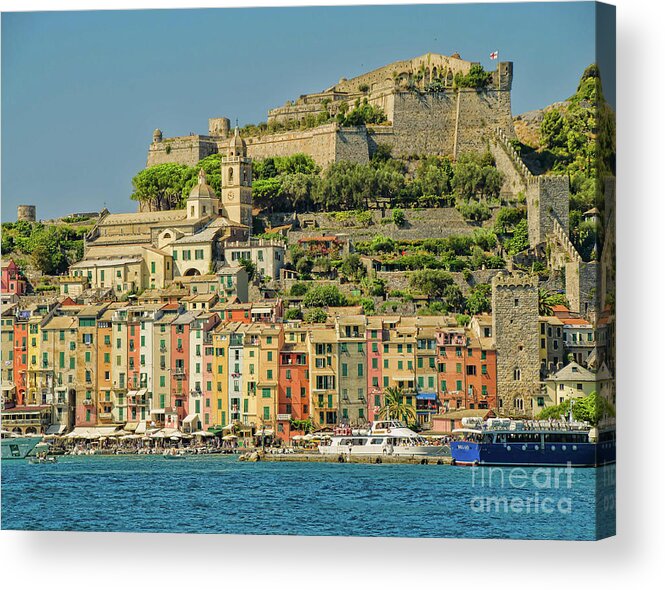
(237, 182)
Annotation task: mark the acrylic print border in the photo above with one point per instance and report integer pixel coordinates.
(546, 198)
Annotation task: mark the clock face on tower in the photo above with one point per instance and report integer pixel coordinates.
(230, 196)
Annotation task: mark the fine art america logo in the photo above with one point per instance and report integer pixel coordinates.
(544, 490)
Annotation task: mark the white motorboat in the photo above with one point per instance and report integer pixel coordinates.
(18, 447)
(384, 438)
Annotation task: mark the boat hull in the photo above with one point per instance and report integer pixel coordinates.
(19, 447)
(523, 454)
(397, 451)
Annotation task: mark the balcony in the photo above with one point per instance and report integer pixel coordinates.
(88, 402)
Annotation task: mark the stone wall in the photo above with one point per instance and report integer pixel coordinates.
(443, 123)
(182, 150)
(478, 115)
(320, 143)
(420, 224)
(515, 181)
(547, 199)
(583, 287)
(515, 329)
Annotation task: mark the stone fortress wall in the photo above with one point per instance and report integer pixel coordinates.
(446, 122)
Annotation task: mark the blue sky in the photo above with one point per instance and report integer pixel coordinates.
(83, 91)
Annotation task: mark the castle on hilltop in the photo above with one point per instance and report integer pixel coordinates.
(426, 112)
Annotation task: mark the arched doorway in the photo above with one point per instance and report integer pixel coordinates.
(192, 272)
(31, 430)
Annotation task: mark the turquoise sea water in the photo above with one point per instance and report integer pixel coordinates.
(216, 494)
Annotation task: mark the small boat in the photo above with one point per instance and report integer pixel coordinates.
(173, 454)
(502, 441)
(42, 459)
(384, 438)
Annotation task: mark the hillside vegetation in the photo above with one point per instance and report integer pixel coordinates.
(48, 248)
(576, 137)
(296, 183)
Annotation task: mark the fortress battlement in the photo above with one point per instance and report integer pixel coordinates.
(514, 280)
(426, 114)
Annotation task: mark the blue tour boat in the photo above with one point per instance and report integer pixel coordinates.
(533, 443)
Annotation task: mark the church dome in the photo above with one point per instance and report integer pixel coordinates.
(202, 189)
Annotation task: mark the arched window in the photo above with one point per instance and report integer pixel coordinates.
(230, 174)
(167, 236)
(517, 374)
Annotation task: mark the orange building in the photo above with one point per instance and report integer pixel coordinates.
(466, 370)
(293, 384)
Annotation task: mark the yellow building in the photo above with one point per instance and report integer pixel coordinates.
(323, 367)
(220, 410)
(104, 367)
(270, 343)
(575, 381)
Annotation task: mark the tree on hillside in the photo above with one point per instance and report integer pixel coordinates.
(431, 283)
(161, 187)
(316, 315)
(249, 266)
(352, 267)
(480, 299)
(324, 296)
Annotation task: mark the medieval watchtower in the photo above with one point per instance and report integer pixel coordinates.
(237, 181)
(515, 329)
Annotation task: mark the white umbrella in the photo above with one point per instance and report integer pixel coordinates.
(297, 437)
(229, 437)
(203, 433)
(175, 437)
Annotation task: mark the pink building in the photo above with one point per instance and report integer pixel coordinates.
(12, 281)
(374, 334)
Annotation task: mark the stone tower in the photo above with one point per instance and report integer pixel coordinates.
(516, 333)
(26, 213)
(237, 181)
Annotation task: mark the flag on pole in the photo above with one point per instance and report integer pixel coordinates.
(494, 55)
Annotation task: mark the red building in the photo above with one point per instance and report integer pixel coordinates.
(12, 281)
(466, 370)
(21, 354)
(293, 385)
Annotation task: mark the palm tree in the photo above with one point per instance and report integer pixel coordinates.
(395, 406)
(547, 300)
